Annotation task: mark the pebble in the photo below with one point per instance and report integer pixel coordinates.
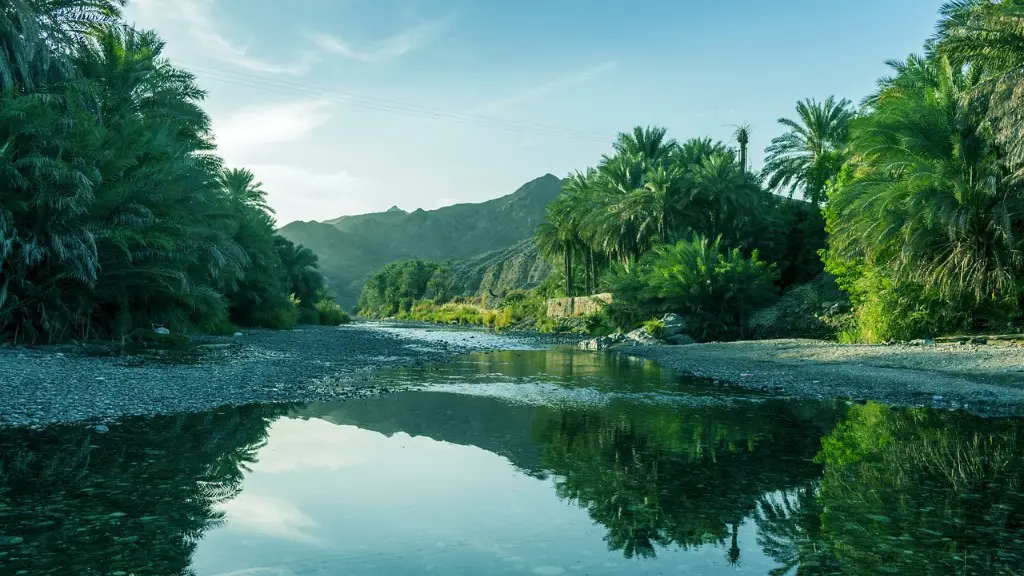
(267, 366)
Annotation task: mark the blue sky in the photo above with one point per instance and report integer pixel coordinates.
(352, 106)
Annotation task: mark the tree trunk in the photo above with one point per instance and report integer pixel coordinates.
(568, 273)
(593, 270)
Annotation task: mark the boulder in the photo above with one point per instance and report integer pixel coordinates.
(602, 342)
(641, 336)
(674, 325)
(162, 331)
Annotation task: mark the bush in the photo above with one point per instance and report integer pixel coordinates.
(655, 328)
(713, 289)
(329, 313)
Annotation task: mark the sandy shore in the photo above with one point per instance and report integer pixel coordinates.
(986, 379)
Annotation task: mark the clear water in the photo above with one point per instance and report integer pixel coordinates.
(521, 462)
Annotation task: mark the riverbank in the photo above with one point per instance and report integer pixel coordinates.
(47, 385)
(985, 379)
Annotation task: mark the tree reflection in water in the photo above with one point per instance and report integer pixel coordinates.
(135, 500)
(832, 489)
(660, 475)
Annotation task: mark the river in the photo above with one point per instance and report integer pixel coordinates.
(520, 462)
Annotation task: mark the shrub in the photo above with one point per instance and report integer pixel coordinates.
(329, 313)
(655, 328)
(715, 290)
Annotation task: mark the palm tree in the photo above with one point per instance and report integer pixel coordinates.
(810, 153)
(929, 199)
(38, 37)
(648, 144)
(742, 136)
(990, 36)
(300, 266)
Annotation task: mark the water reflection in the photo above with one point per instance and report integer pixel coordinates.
(135, 500)
(599, 466)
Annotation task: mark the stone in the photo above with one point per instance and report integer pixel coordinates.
(674, 324)
(237, 334)
(641, 336)
(602, 342)
(101, 429)
(979, 341)
(162, 331)
(922, 342)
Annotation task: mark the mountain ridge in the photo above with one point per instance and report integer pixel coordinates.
(485, 234)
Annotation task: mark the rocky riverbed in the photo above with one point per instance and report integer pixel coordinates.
(984, 379)
(47, 385)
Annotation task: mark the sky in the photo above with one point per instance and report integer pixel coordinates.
(353, 106)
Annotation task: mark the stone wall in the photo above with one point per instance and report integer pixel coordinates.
(578, 306)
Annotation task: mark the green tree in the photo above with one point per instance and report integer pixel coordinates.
(990, 36)
(810, 153)
(927, 200)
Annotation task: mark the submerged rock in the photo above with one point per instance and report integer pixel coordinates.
(162, 331)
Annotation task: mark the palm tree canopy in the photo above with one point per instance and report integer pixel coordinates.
(795, 160)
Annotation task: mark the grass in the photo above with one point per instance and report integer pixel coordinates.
(460, 314)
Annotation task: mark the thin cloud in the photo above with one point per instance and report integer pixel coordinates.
(394, 46)
(544, 89)
(200, 21)
(255, 127)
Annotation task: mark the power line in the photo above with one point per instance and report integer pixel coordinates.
(386, 105)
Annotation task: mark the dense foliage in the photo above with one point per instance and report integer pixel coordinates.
(926, 224)
(399, 285)
(115, 213)
(669, 226)
(714, 289)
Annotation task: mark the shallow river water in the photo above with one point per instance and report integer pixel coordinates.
(521, 462)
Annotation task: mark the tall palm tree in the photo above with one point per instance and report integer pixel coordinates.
(810, 153)
(990, 35)
(929, 200)
(742, 136)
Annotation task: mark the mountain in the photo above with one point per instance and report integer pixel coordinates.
(498, 271)
(487, 238)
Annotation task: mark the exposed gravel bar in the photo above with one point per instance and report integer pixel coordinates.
(45, 386)
(985, 379)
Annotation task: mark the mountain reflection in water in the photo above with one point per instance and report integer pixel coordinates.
(521, 463)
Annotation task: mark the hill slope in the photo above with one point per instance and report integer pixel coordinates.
(487, 234)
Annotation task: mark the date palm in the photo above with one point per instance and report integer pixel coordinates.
(37, 37)
(990, 36)
(929, 199)
(810, 153)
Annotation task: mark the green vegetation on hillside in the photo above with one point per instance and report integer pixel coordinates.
(115, 213)
(488, 236)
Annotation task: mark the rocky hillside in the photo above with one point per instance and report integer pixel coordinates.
(487, 240)
(498, 271)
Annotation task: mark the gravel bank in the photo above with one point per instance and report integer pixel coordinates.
(986, 379)
(44, 386)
